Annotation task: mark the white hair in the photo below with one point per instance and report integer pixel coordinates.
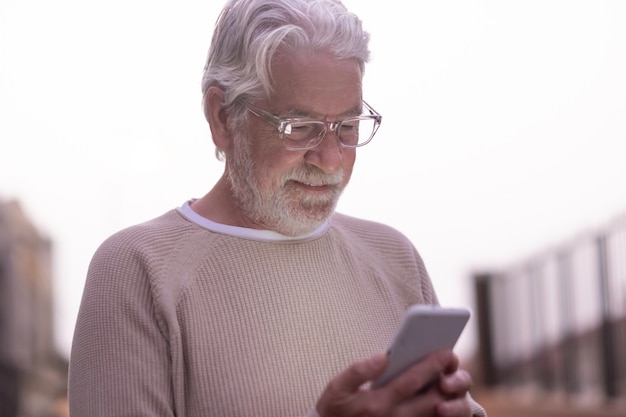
(248, 33)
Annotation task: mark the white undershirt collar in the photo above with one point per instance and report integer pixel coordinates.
(243, 232)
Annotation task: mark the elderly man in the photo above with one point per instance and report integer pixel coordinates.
(258, 299)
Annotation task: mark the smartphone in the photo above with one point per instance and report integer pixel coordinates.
(424, 330)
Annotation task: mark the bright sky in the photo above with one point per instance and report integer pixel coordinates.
(503, 132)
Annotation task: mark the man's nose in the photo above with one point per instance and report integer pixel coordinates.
(328, 154)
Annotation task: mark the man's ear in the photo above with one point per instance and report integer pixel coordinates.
(216, 115)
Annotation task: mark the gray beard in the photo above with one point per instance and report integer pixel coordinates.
(284, 208)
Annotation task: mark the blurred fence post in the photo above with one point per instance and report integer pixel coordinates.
(482, 285)
(569, 342)
(607, 341)
(557, 321)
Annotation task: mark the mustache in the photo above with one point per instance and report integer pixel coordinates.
(311, 175)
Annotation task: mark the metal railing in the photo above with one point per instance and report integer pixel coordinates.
(557, 321)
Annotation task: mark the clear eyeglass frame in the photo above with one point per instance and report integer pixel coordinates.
(302, 133)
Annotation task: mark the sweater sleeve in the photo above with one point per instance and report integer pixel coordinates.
(477, 409)
(120, 358)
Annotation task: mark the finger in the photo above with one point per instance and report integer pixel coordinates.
(421, 375)
(456, 384)
(351, 379)
(341, 393)
(424, 405)
(453, 365)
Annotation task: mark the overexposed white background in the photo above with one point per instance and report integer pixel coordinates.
(503, 131)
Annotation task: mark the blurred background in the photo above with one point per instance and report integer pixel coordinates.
(501, 156)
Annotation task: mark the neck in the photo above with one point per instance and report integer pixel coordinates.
(219, 206)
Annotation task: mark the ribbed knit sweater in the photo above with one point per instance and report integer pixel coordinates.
(179, 320)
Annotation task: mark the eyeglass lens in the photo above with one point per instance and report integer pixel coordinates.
(351, 132)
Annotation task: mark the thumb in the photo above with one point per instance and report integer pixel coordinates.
(342, 390)
(361, 372)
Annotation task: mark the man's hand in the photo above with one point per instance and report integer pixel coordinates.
(435, 387)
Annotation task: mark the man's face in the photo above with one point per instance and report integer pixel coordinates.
(293, 192)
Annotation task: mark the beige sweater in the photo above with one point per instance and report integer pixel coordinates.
(178, 320)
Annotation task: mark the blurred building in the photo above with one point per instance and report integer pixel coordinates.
(32, 374)
(553, 325)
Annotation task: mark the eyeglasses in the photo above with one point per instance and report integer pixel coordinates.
(299, 133)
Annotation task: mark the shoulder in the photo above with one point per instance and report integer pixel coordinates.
(148, 255)
(379, 242)
(155, 238)
(144, 238)
(386, 250)
(164, 223)
(370, 231)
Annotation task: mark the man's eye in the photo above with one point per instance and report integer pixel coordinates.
(349, 126)
(299, 129)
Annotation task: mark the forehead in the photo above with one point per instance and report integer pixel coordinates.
(316, 84)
